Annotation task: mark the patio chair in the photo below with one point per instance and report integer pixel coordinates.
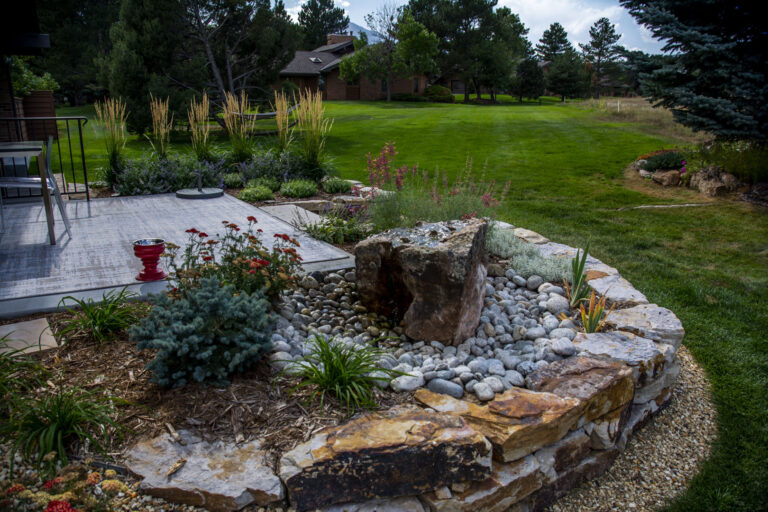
(34, 182)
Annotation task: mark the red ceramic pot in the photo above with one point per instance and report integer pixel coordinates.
(148, 250)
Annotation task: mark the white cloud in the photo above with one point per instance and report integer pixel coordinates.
(574, 15)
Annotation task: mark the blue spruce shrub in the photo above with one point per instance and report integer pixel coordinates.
(207, 335)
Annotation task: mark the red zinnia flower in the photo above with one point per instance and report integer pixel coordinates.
(251, 218)
(202, 234)
(207, 258)
(192, 230)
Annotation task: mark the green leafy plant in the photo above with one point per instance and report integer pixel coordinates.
(578, 289)
(253, 194)
(101, 320)
(299, 188)
(238, 258)
(664, 161)
(337, 229)
(523, 257)
(232, 180)
(41, 427)
(592, 317)
(336, 186)
(207, 335)
(272, 184)
(348, 373)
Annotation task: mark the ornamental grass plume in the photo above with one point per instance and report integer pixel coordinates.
(199, 127)
(240, 125)
(313, 126)
(283, 120)
(111, 115)
(162, 123)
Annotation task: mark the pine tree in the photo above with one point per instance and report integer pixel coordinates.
(319, 18)
(567, 75)
(147, 57)
(529, 80)
(553, 42)
(716, 76)
(602, 51)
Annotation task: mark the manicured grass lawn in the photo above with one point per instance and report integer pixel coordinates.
(708, 264)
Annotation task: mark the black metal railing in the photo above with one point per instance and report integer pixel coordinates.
(67, 160)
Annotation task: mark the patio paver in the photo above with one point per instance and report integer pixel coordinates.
(32, 335)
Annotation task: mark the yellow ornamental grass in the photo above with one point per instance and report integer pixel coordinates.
(199, 127)
(112, 117)
(162, 123)
(592, 317)
(240, 124)
(283, 120)
(313, 126)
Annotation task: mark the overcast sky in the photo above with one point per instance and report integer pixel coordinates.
(575, 15)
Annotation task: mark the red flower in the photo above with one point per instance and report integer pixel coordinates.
(251, 271)
(251, 218)
(14, 489)
(207, 258)
(259, 230)
(225, 222)
(50, 484)
(203, 234)
(59, 506)
(192, 230)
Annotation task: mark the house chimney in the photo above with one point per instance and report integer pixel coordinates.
(338, 38)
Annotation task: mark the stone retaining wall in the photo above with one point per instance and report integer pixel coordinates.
(520, 451)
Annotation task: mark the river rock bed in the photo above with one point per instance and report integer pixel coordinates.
(518, 333)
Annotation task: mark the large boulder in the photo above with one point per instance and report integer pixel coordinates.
(666, 178)
(431, 276)
(649, 321)
(518, 422)
(400, 453)
(217, 476)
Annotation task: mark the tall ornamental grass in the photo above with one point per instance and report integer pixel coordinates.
(162, 123)
(239, 125)
(199, 127)
(313, 126)
(283, 120)
(112, 116)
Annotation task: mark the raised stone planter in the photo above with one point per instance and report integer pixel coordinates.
(518, 449)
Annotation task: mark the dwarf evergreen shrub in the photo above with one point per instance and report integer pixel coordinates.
(207, 335)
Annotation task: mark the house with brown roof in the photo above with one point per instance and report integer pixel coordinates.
(319, 70)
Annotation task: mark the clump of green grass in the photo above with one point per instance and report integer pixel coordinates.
(336, 186)
(347, 373)
(253, 194)
(41, 427)
(523, 257)
(103, 320)
(299, 188)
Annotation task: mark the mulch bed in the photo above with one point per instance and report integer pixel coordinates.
(257, 404)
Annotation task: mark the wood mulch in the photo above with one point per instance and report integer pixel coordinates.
(256, 405)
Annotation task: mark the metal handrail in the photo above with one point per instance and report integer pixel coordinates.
(81, 121)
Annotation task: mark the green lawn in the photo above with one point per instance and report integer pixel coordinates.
(708, 264)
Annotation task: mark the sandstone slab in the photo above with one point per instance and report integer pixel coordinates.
(657, 387)
(601, 384)
(591, 467)
(557, 250)
(530, 236)
(518, 422)
(618, 291)
(374, 456)
(646, 358)
(218, 476)
(605, 431)
(565, 453)
(404, 504)
(432, 277)
(508, 484)
(649, 321)
(667, 178)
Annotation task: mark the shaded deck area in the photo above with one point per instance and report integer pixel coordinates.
(35, 275)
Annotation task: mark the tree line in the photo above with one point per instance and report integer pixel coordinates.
(712, 74)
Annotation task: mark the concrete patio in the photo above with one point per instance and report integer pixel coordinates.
(35, 275)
